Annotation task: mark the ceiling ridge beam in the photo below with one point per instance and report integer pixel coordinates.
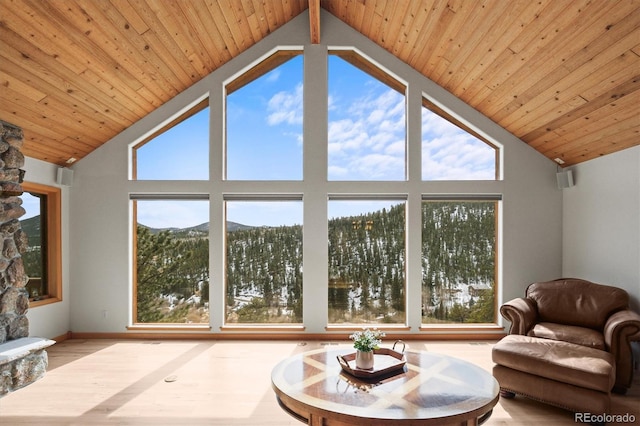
(314, 21)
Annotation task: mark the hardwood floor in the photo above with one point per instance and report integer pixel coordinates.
(135, 382)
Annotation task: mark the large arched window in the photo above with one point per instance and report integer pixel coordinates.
(355, 225)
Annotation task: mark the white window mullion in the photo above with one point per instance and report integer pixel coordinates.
(316, 277)
(414, 212)
(216, 206)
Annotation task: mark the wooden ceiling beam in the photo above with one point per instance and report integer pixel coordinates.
(314, 21)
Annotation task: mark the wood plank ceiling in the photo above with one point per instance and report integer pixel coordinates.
(561, 75)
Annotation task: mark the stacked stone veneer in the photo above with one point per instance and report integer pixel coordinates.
(17, 367)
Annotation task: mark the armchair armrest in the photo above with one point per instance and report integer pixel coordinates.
(620, 330)
(522, 313)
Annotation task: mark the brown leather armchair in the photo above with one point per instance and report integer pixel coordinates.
(579, 312)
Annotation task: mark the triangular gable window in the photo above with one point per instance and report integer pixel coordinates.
(452, 151)
(177, 151)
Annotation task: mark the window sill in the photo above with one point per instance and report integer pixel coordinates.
(260, 327)
(169, 327)
(348, 328)
(43, 301)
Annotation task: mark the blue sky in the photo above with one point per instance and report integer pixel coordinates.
(265, 213)
(264, 126)
(186, 213)
(366, 141)
(172, 213)
(31, 204)
(185, 145)
(342, 208)
(366, 126)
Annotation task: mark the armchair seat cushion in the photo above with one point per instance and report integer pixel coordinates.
(559, 361)
(569, 333)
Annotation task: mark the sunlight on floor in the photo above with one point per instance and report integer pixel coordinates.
(206, 382)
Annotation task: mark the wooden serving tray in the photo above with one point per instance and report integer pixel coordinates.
(385, 362)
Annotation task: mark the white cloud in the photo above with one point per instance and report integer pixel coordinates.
(375, 116)
(381, 140)
(450, 153)
(347, 134)
(367, 136)
(332, 102)
(457, 157)
(273, 76)
(337, 171)
(365, 143)
(285, 107)
(377, 166)
(396, 148)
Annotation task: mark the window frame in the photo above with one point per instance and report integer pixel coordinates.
(53, 237)
(400, 198)
(315, 189)
(134, 323)
(227, 198)
(497, 199)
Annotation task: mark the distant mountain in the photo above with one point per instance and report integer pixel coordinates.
(203, 228)
(233, 226)
(31, 227)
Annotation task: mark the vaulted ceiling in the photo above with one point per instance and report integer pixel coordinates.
(563, 76)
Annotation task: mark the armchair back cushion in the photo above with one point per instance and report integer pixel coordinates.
(576, 302)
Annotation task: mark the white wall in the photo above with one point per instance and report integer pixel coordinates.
(601, 222)
(51, 320)
(531, 220)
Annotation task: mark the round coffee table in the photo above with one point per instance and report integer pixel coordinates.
(431, 389)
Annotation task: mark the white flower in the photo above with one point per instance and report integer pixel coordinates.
(367, 340)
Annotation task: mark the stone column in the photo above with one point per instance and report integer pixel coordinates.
(23, 360)
(14, 299)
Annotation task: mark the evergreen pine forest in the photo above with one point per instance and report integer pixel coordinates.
(366, 269)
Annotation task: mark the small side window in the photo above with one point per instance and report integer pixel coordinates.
(42, 259)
